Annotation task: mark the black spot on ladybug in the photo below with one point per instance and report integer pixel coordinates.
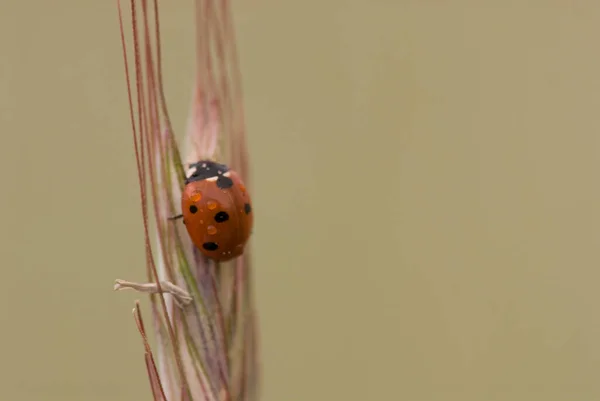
(210, 246)
(205, 169)
(224, 182)
(193, 209)
(221, 217)
(247, 208)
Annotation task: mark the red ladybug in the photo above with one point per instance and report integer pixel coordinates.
(216, 210)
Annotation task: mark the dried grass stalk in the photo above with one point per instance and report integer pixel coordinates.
(203, 312)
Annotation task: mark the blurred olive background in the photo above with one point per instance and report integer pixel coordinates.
(425, 176)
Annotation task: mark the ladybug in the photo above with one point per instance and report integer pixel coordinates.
(216, 210)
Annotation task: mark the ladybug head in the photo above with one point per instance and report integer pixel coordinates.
(205, 169)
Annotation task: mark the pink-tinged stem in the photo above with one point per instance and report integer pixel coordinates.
(139, 150)
(157, 389)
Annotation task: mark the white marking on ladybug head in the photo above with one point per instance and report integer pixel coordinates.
(190, 171)
(211, 179)
(227, 174)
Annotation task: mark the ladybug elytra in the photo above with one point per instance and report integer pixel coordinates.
(216, 210)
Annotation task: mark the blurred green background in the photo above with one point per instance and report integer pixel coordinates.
(425, 176)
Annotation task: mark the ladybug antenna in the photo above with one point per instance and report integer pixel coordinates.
(175, 217)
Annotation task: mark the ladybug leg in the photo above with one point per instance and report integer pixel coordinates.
(179, 216)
